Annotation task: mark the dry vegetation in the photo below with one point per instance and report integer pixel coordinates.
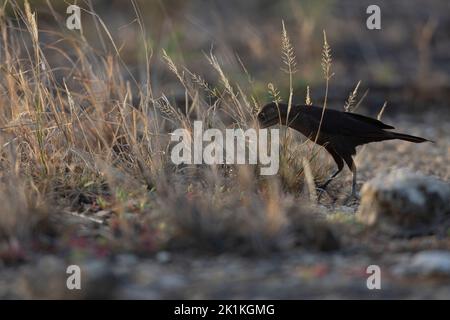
(91, 142)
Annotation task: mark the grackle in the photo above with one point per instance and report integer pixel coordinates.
(340, 132)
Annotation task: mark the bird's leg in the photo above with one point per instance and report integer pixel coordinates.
(324, 185)
(351, 164)
(353, 195)
(340, 164)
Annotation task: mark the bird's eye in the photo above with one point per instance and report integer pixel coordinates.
(261, 116)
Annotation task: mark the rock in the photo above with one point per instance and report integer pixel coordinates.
(426, 263)
(163, 257)
(405, 203)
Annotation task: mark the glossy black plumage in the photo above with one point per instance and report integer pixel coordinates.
(340, 132)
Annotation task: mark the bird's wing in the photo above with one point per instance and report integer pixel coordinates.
(372, 121)
(346, 124)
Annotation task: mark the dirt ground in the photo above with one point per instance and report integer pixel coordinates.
(296, 274)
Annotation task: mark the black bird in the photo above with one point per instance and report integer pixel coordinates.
(340, 132)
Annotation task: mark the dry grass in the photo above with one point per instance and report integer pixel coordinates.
(350, 103)
(74, 139)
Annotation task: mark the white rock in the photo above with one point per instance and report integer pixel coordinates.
(404, 202)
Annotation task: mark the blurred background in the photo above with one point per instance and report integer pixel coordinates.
(406, 63)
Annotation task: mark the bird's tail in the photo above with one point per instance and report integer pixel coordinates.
(408, 137)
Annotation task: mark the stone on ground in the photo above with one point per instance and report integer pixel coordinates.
(405, 203)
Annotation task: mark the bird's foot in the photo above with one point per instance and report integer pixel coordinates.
(352, 198)
(320, 191)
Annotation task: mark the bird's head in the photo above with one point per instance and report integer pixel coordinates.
(272, 114)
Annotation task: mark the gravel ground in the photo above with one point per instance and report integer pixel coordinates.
(410, 268)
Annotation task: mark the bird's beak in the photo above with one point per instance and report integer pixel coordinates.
(262, 124)
(267, 122)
